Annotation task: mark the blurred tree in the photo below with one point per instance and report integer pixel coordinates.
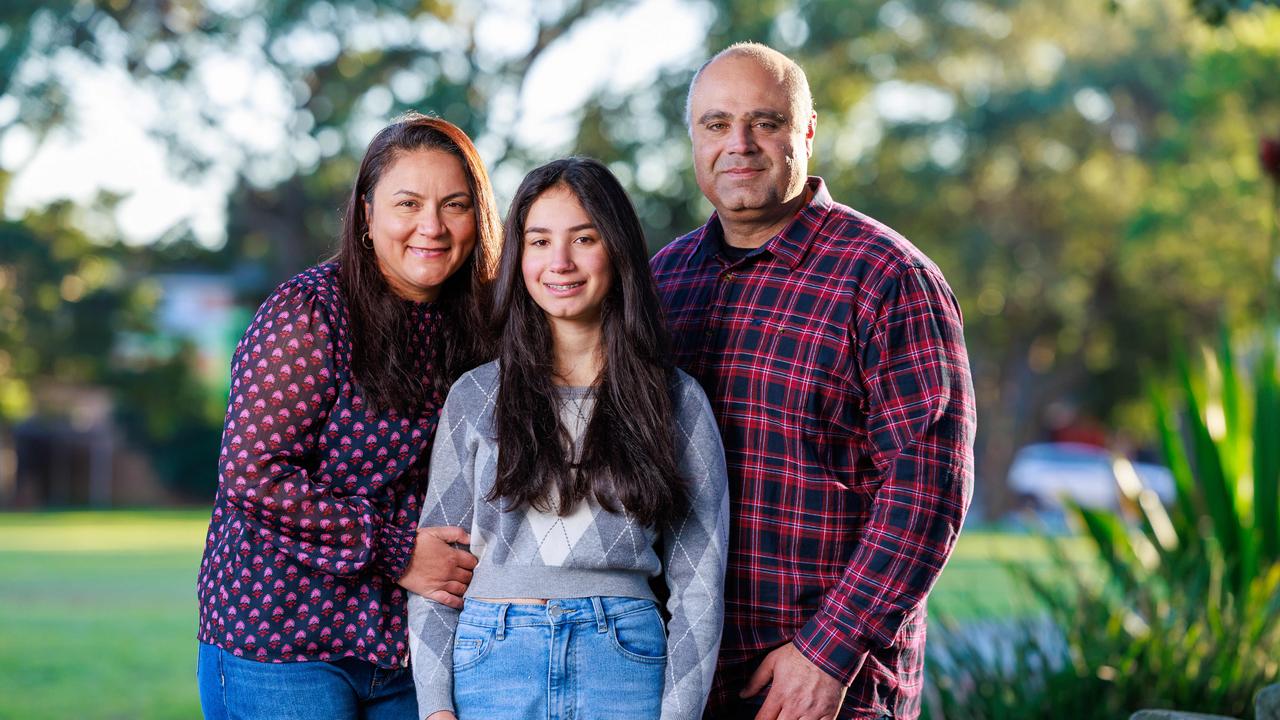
(1082, 172)
(1215, 12)
(75, 313)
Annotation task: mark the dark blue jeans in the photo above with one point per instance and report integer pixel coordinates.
(233, 688)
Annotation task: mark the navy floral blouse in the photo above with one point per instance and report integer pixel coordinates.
(318, 495)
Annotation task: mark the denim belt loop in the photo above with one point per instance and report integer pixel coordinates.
(502, 621)
(602, 623)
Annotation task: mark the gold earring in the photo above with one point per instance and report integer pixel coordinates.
(364, 240)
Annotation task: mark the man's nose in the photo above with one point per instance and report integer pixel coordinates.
(741, 139)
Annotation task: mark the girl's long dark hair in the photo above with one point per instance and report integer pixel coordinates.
(380, 322)
(628, 452)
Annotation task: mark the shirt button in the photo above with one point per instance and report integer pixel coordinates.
(730, 276)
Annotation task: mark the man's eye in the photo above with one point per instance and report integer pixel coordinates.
(716, 127)
(408, 203)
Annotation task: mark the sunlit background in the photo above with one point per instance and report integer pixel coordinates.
(1090, 175)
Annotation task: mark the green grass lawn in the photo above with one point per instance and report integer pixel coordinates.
(98, 610)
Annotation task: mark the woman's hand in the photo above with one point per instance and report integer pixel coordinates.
(438, 571)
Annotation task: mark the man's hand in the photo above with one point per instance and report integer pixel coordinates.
(438, 571)
(801, 690)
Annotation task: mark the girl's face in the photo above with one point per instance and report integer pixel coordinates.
(422, 222)
(566, 269)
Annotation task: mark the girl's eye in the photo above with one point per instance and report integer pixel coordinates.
(584, 239)
(538, 242)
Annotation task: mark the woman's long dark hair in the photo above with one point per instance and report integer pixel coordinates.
(382, 358)
(628, 452)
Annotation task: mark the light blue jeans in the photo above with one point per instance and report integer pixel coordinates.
(234, 688)
(580, 658)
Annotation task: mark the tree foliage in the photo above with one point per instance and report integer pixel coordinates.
(1083, 173)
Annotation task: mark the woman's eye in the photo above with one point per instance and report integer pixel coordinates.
(584, 239)
(538, 242)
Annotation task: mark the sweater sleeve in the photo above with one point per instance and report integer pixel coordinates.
(695, 556)
(449, 501)
(283, 386)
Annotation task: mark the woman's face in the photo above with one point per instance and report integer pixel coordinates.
(422, 222)
(566, 269)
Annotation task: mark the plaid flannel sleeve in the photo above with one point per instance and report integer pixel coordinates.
(920, 428)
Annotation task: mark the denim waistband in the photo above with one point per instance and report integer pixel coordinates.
(559, 611)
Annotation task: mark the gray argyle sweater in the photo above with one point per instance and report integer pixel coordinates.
(590, 551)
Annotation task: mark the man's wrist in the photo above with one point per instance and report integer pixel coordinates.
(836, 653)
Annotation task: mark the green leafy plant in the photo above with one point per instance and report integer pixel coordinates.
(1180, 606)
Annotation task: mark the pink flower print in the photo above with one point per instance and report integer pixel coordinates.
(290, 600)
(239, 628)
(274, 641)
(244, 602)
(350, 632)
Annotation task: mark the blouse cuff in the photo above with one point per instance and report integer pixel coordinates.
(394, 548)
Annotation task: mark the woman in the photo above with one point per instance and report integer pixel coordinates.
(335, 392)
(584, 465)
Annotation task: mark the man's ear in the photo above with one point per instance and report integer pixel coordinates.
(810, 130)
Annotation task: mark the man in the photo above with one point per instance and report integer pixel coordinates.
(833, 354)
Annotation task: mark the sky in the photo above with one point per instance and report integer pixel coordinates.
(109, 146)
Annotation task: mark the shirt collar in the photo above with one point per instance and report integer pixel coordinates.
(791, 243)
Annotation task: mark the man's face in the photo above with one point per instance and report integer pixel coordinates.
(750, 154)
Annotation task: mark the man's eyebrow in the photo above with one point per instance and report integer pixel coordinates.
(574, 229)
(774, 115)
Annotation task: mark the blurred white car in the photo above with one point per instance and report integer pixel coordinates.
(1044, 473)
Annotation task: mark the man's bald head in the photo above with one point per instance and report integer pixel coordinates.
(785, 70)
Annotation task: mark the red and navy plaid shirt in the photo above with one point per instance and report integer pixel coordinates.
(834, 359)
